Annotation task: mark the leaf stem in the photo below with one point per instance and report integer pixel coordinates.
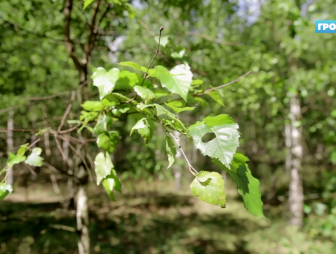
(191, 168)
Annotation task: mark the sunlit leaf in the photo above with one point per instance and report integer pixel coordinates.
(144, 129)
(87, 3)
(34, 159)
(178, 81)
(209, 187)
(163, 41)
(103, 166)
(144, 93)
(127, 80)
(226, 140)
(105, 81)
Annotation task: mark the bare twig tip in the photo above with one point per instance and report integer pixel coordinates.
(161, 28)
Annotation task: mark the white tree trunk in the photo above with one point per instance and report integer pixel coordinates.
(82, 213)
(10, 143)
(177, 168)
(294, 163)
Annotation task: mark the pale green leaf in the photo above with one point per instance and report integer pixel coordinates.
(34, 159)
(197, 82)
(22, 150)
(108, 141)
(248, 186)
(105, 81)
(103, 166)
(87, 3)
(93, 105)
(110, 183)
(178, 81)
(104, 123)
(144, 93)
(144, 129)
(15, 159)
(127, 80)
(170, 150)
(5, 189)
(209, 187)
(216, 97)
(226, 140)
(163, 41)
(177, 106)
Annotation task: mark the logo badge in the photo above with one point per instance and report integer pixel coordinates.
(325, 26)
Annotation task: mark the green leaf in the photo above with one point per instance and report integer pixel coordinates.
(144, 130)
(105, 81)
(34, 159)
(209, 187)
(201, 101)
(108, 141)
(132, 65)
(22, 150)
(197, 82)
(15, 159)
(160, 93)
(248, 186)
(103, 166)
(5, 189)
(163, 41)
(144, 93)
(226, 140)
(177, 106)
(87, 3)
(104, 123)
(127, 80)
(93, 105)
(178, 81)
(171, 151)
(215, 96)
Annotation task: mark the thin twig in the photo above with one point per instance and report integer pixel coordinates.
(191, 168)
(156, 53)
(32, 144)
(234, 81)
(59, 147)
(66, 111)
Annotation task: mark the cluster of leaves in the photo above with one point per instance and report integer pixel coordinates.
(122, 92)
(33, 159)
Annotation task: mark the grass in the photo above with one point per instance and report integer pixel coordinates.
(151, 219)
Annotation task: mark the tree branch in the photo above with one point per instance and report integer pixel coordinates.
(234, 81)
(68, 42)
(93, 31)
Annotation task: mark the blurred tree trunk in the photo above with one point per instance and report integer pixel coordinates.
(177, 168)
(10, 143)
(294, 162)
(82, 212)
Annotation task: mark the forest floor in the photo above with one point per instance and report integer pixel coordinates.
(151, 218)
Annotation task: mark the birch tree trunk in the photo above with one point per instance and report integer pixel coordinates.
(82, 213)
(294, 162)
(177, 168)
(10, 143)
